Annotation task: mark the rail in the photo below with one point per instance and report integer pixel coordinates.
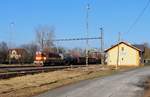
(14, 72)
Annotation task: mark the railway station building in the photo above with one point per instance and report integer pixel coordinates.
(123, 54)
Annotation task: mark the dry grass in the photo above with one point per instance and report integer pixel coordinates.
(29, 85)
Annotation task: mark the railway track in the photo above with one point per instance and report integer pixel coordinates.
(20, 71)
(16, 66)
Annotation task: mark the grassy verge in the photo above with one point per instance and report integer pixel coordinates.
(29, 85)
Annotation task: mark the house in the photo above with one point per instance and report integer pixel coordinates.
(123, 54)
(17, 55)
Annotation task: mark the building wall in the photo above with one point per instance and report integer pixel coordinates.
(127, 56)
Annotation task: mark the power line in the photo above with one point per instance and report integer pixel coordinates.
(139, 16)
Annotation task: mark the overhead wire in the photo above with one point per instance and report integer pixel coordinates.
(139, 16)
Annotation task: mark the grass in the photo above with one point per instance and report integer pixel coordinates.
(29, 85)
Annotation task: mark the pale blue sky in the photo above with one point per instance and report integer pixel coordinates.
(68, 18)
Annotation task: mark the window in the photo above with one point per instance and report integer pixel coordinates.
(122, 48)
(13, 52)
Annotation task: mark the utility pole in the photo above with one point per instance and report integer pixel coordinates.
(87, 29)
(57, 49)
(102, 45)
(118, 53)
(10, 41)
(42, 41)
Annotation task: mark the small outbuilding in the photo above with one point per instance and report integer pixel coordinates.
(123, 54)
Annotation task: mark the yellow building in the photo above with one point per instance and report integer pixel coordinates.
(123, 54)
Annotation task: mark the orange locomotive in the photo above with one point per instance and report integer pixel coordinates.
(39, 58)
(48, 58)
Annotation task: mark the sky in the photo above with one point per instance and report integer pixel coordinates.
(69, 19)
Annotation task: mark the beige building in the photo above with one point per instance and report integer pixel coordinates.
(123, 54)
(17, 53)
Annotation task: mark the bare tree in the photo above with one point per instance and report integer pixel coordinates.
(80, 51)
(147, 51)
(76, 52)
(3, 52)
(31, 48)
(61, 50)
(44, 36)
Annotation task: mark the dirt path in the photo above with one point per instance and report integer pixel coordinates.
(126, 84)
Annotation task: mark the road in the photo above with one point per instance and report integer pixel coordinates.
(125, 84)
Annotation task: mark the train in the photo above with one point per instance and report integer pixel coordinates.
(51, 58)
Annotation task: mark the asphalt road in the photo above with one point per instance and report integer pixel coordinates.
(126, 84)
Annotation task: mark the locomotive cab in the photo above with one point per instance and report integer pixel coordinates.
(40, 58)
